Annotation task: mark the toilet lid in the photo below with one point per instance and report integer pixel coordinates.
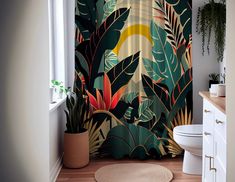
(192, 130)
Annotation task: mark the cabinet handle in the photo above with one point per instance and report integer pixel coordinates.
(218, 121)
(210, 166)
(206, 111)
(206, 133)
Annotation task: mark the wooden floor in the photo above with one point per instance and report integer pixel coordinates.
(86, 174)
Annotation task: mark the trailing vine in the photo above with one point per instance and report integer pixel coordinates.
(212, 16)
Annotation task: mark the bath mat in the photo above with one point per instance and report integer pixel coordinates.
(133, 172)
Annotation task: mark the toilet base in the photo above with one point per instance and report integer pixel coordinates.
(192, 164)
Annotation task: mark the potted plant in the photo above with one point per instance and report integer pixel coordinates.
(76, 140)
(214, 79)
(59, 88)
(212, 16)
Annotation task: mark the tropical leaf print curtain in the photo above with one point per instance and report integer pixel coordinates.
(133, 61)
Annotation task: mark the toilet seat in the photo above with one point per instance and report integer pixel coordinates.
(194, 130)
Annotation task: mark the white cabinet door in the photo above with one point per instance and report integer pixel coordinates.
(220, 146)
(208, 159)
(209, 173)
(220, 174)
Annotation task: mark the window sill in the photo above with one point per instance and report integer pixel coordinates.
(57, 103)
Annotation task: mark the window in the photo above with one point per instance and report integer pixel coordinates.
(57, 48)
(57, 32)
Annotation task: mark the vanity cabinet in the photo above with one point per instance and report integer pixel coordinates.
(214, 139)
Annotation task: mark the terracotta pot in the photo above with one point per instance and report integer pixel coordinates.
(76, 150)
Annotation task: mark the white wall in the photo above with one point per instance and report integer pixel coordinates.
(230, 96)
(24, 78)
(57, 128)
(202, 65)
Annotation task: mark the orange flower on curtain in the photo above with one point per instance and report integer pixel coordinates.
(109, 100)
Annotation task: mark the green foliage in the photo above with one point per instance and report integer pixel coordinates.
(109, 7)
(121, 74)
(166, 60)
(92, 50)
(139, 109)
(56, 83)
(184, 9)
(214, 76)
(166, 84)
(85, 17)
(212, 16)
(59, 86)
(152, 69)
(169, 103)
(172, 24)
(139, 118)
(133, 141)
(110, 59)
(77, 113)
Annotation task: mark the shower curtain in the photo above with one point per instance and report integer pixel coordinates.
(133, 61)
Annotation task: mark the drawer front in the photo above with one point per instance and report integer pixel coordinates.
(220, 124)
(208, 118)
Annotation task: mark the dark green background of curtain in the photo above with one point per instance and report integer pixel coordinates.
(138, 91)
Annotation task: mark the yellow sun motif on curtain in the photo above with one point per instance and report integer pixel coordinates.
(138, 29)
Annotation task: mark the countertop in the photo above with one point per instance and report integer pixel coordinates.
(218, 102)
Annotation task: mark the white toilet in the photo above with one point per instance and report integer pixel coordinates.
(189, 137)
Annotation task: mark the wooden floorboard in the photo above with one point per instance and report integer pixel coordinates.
(86, 174)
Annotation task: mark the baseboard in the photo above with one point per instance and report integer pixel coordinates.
(54, 172)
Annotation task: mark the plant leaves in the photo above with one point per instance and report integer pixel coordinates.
(129, 97)
(87, 10)
(159, 91)
(172, 25)
(129, 139)
(83, 66)
(121, 74)
(100, 12)
(94, 48)
(182, 88)
(167, 61)
(145, 113)
(109, 7)
(184, 9)
(153, 70)
(85, 27)
(85, 17)
(110, 59)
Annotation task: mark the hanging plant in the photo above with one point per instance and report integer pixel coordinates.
(212, 16)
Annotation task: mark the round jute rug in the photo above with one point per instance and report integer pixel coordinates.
(133, 172)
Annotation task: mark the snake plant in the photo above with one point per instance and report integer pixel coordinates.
(77, 113)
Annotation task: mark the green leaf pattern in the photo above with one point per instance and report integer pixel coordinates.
(165, 83)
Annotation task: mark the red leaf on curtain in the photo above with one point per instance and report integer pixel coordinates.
(93, 100)
(107, 91)
(99, 100)
(116, 97)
